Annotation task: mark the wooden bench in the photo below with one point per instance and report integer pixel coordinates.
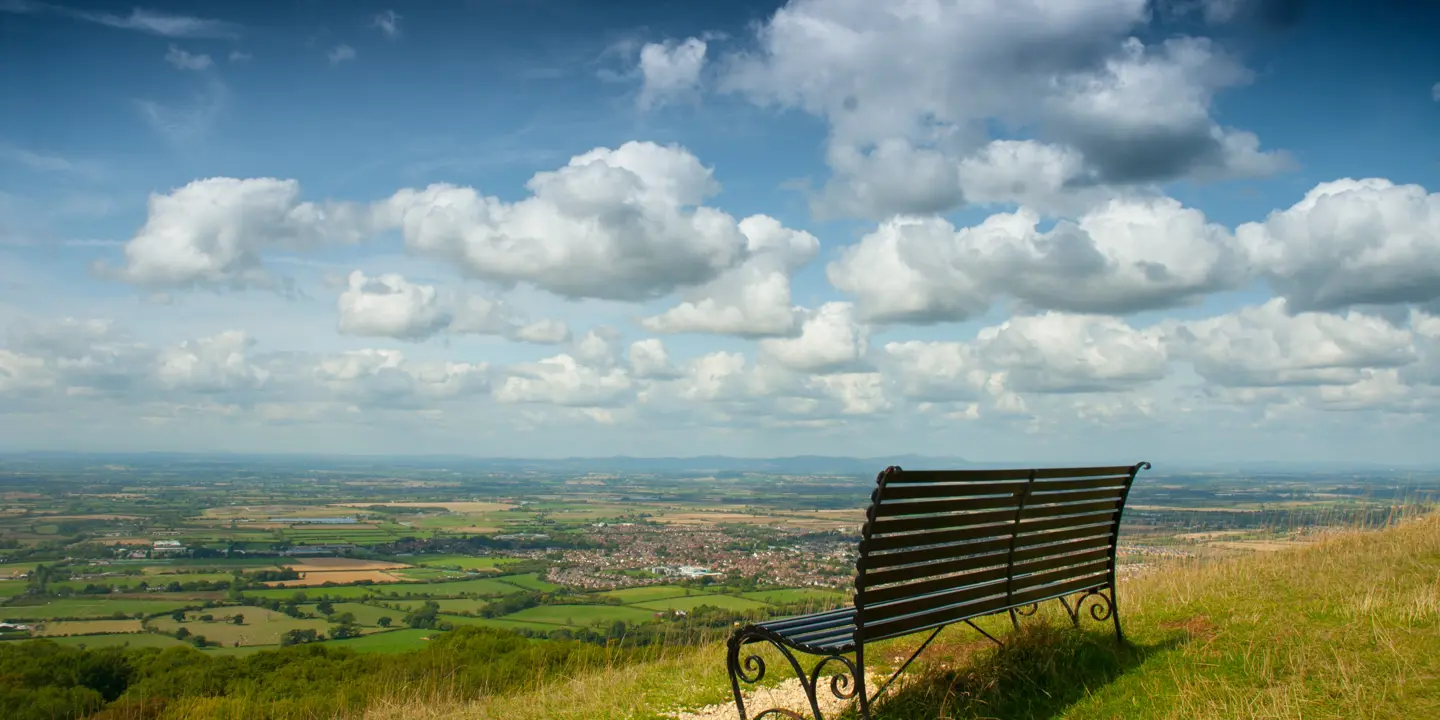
(946, 546)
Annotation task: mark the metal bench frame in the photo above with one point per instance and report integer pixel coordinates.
(1059, 527)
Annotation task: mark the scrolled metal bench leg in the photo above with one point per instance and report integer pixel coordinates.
(1104, 608)
(845, 685)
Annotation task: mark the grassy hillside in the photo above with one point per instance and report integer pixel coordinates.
(1345, 628)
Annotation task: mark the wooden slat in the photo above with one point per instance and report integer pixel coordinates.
(1054, 536)
(1071, 496)
(871, 614)
(780, 624)
(1061, 561)
(1036, 553)
(900, 542)
(1065, 588)
(949, 490)
(941, 552)
(924, 587)
(1056, 473)
(909, 606)
(874, 578)
(885, 526)
(1030, 526)
(956, 476)
(931, 507)
(1001, 475)
(905, 626)
(991, 530)
(1053, 510)
(1089, 483)
(819, 637)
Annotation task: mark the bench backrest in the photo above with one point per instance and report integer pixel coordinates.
(940, 546)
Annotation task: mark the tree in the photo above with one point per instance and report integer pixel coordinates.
(182, 633)
(344, 630)
(199, 641)
(238, 619)
(384, 621)
(178, 616)
(324, 607)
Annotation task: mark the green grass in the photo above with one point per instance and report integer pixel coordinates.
(482, 587)
(339, 592)
(11, 588)
(798, 595)
(367, 615)
(460, 605)
(727, 602)
(581, 615)
(529, 581)
(90, 608)
(426, 573)
(261, 627)
(464, 562)
(647, 593)
(504, 624)
(386, 642)
(134, 640)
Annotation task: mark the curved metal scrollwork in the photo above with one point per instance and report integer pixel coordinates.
(842, 684)
(1102, 608)
(1027, 610)
(751, 670)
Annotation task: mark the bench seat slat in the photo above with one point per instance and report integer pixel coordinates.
(805, 620)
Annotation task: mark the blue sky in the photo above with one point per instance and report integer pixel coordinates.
(1068, 231)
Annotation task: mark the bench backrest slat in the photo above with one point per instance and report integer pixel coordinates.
(944, 545)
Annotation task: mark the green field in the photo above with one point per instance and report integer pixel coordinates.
(341, 592)
(262, 627)
(480, 587)
(727, 602)
(134, 640)
(461, 605)
(794, 595)
(91, 608)
(367, 615)
(504, 624)
(647, 593)
(11, 588)
(530, 581)
(427, 573)
(580, 615)
(386, 642)
(464, 562)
